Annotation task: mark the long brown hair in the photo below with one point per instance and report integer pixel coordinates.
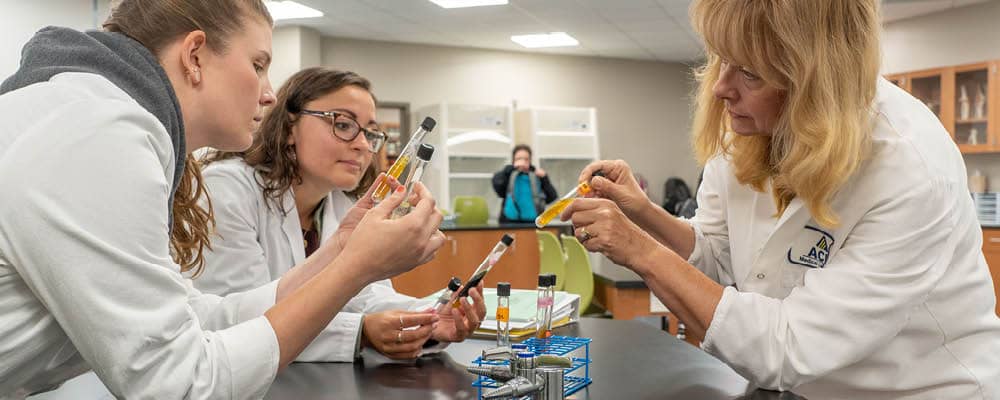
(155, 24)
(271, 155)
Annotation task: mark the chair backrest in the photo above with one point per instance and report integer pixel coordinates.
(579, 276)
(552, 259)
(470, 210)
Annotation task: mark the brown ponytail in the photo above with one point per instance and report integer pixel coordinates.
(156, 23)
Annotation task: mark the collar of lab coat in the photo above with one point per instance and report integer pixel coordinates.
(795, 215)
(335, 206)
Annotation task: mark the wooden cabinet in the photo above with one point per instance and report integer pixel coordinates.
(964, 98)
(991, 249)
(464, 250)
(975, 108)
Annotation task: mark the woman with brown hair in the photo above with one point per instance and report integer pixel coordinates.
(282, 198)
(100, 215)
(835, 251)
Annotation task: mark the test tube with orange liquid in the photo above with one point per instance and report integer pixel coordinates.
(404, 158)
(560, 205)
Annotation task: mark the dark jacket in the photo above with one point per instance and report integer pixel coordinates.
(503, 179)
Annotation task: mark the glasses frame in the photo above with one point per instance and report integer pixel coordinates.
(369, 133)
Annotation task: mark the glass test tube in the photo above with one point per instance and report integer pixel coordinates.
(445, 297)
(416, 172)
(503, 314)
(404, 157)
(546, 297)
(484, 267)
(560, 205)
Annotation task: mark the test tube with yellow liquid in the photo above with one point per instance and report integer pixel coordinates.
(404, 157)
(560, 205)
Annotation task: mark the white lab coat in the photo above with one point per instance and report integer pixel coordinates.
(86, 277)
(897, 302)
(256, 244)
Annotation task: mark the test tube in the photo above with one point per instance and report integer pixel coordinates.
(445, 297)
(404, 157)
(485, 266)
(560, 205)
(503, 314)
(424, 155)
(546, 296)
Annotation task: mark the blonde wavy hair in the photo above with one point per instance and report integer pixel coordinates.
(824, 55)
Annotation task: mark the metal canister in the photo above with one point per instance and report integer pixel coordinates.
(552, 383)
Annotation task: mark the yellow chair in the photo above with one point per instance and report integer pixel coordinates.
(470, 210)
(579, 276)
(552, 258)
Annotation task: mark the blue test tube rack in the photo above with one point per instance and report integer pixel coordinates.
(573, 347)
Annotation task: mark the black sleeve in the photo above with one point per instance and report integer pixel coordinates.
(550, 191)
(501, 179)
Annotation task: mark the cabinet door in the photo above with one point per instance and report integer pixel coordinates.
(991, 249)
(936, 89)
(899, 80)
(972, 107)
(462, 253)
(432, 276)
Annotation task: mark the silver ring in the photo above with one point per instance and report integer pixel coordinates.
(399, 337)
(400, 322)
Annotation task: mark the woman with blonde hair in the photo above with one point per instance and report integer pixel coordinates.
(100, 211)
(836, 251)
(277, 202)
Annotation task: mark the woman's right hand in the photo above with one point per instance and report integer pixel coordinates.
(399, 335)
(617, 185)
(387, 247)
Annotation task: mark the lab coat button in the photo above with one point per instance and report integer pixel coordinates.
(760, 275)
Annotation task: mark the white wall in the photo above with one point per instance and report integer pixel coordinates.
(293, 48)
(643, 107)
(958, 36)
(19, 20)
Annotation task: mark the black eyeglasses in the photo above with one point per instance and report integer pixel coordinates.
(346, 128)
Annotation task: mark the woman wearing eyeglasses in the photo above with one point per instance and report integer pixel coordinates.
(276, 202)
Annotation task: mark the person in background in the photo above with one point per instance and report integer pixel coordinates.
(524, 188)
(99, 215)
(835, 251)
(277, 202)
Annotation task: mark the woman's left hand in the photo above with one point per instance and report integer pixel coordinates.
(603, 228)
(458, 323)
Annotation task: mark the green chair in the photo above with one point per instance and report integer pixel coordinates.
(470, 210)
(579, 276)
(553, 261)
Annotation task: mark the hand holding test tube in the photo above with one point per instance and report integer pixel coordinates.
(560, 205)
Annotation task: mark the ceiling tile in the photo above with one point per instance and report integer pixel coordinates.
(636, 29)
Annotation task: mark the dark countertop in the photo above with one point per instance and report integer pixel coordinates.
(619, 277)
(631, 360)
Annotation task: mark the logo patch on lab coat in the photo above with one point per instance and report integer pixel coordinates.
(811, 249)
